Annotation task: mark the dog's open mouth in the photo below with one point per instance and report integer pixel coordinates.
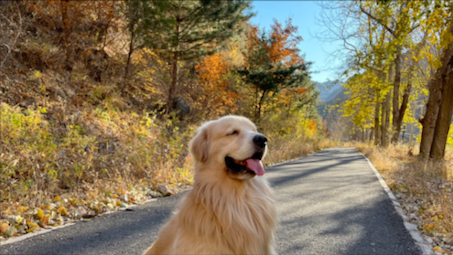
(251, 165)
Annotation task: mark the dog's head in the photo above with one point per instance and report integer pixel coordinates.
(233, 144)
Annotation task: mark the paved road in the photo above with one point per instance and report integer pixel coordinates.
(329, 203)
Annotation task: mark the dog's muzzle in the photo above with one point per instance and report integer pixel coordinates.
(260, 140)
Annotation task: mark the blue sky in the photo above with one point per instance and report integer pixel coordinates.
(303, 14)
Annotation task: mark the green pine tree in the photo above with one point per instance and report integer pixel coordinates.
(179, 30)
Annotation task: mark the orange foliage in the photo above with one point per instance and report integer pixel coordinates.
(312, 125)
(289, 95)
(298, 91)
(212, 70)
(215, 97)
(280, 48)
(283, 44)
(252, 45)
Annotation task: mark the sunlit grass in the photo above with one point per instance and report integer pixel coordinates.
(75, 149)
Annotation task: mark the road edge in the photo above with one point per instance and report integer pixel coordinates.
(37, 233)
(411, 228)
(42, 231)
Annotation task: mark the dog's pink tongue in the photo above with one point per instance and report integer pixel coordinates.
(255, 166)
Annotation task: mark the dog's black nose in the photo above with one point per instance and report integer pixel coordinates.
(260, 140)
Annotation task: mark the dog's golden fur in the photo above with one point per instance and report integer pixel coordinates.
(224, 213)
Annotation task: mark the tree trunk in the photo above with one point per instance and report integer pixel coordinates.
(433, 105)
(444, 116)
(396, 94)
(386, 121)
(174, 68)
(377, 136)
(411, 134)
(407, 91)
(66, 40)
(260, 105)
(381, 142)
(429, 120)
(174, 82)
(256, 103)
(128, 62)
(402, 111)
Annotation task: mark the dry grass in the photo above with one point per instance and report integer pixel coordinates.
(57, 149)
(63, 159)
(424, 189)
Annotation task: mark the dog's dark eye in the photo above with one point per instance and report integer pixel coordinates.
(235, 132)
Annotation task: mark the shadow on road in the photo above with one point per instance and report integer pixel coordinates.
(372, 237)
(308, 167)
(332, 203)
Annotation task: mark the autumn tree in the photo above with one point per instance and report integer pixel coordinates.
(383, 37)
(139, 15)
(188, 30)
(214, 95)
(367, 64)
(273, 63)
(400, 28)
(439, 108)
(410, 29)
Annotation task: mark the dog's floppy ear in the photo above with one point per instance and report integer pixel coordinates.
(199, 145)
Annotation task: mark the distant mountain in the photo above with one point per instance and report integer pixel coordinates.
(328, 89)
(331, 93)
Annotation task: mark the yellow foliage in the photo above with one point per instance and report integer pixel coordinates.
(438, 249)
(40, 214)
(62, 210)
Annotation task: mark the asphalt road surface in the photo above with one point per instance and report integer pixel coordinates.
(329, 203)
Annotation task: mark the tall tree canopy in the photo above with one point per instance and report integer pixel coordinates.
(274, 62)
(180, 30)
(398, 51)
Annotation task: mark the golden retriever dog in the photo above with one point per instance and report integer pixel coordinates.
(230, 209)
